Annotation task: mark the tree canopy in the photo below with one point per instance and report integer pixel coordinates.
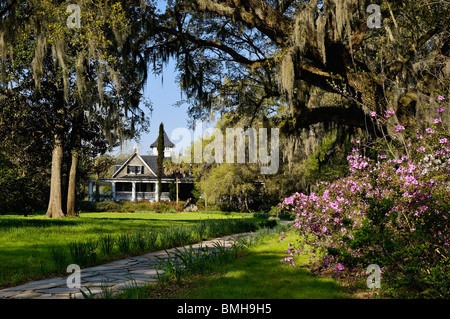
(93, 73)
(320, 57)
(316, 69)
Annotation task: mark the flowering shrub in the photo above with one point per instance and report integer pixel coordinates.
(392, 212)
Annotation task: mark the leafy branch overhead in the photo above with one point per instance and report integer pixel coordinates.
(286, 48)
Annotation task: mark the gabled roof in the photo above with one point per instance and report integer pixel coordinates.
(167, 142)
(151, 162)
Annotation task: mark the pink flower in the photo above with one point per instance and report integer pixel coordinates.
(440, 110)
(373, 114)
(421, 149)
(438, 120)
(389, 113)
(443, 140)
(399, 128)
(441, 98)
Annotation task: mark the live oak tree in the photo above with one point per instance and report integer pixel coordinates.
(315, 69)
(320, 57)
(91, 71)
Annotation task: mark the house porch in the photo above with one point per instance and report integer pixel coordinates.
(131, 190)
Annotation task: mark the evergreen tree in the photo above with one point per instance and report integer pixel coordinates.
(160, 159)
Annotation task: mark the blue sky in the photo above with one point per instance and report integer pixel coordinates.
(163, 95)
(163, 91)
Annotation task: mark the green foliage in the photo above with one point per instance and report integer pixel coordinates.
(106, 244)
(107, 207)
(159, 207)
(139, 242)
(34, 236)
(123, 242)
(200, 203)
(20, 192)
(172, 191)
(389, 212)
(196, 192)
(238, 184)
(131, 207)
(59, 257)
(56, 97)
(190, 261)
(83, 253)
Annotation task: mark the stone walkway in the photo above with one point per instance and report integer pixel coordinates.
(114, 276)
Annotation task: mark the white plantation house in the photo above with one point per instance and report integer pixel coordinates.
(136, 178)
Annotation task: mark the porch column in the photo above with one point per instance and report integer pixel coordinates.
(133, 191)
(113, 190)
(156, 192)
(90, 191)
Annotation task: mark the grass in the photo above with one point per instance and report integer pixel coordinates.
(260, 274)
(257, 274)
(36, 247)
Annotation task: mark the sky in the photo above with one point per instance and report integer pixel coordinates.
(163, 91)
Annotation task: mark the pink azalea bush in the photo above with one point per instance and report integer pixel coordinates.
(393, 212)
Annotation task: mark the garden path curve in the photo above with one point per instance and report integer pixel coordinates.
(116, 276)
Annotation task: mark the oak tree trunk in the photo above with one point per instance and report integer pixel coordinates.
(71, 193)
(76, 150)
(54, 206)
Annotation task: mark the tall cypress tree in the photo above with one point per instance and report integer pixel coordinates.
(160, 157)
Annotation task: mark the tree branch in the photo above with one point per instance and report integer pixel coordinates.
(351, 116)
(259, 15)
(218, 45)
(399, 64)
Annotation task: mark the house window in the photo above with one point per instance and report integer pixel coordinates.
(135, 169)
(165, 187)
(123, 187)
(145, 187)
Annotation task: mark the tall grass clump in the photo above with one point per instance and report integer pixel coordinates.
(58, 256)
(188, 260)
(83, 253)
(106, 244)
(123, 242)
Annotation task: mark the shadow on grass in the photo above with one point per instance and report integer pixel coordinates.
(261, 275)
(16, 221)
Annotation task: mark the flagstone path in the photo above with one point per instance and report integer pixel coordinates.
(114, 276)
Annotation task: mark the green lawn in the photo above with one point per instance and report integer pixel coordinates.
(258, 274)
(26, 242)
